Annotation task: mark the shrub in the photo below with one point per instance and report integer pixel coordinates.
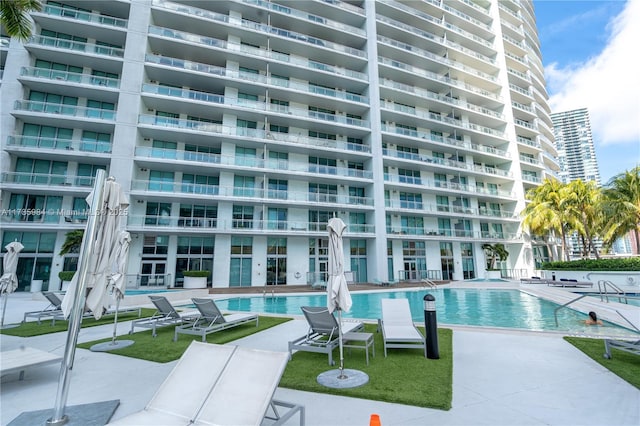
(623, 264)
(66, 275)
(196, 273)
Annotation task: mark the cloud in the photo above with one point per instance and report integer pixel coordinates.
(607, 84)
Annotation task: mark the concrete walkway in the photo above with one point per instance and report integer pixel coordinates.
(499, 378)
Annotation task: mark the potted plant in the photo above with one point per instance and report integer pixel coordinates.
(65, 277)
(195, 279)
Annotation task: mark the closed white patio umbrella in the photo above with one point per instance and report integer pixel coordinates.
(338, 295)
(117, 286)
(105, 249)
(96, 265)
(9, 279)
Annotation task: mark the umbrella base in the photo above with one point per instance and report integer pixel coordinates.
(348, 379)
(109, 346)
(97, 413)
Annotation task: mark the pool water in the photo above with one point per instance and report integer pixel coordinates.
(136, 292)
(475, 307)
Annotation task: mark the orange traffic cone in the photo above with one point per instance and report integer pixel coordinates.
(375, 420)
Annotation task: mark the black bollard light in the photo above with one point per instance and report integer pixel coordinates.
(431, 327)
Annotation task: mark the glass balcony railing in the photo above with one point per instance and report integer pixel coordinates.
(58, 144)
(385, 82)
(46, 179)
(244, 76)
(220, 129)
(64, 109)
(82, 15)
(313, 18)
(256, 194)
(72, 77)
(238, 225)
(77, 46)
(437, 77)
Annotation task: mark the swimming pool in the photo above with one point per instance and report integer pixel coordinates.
(149, 291)
(474, 307)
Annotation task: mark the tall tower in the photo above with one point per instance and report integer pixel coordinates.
(239, 128)
(574, 142)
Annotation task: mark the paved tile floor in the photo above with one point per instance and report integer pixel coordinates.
(500, 378)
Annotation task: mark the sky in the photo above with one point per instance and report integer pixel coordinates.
(591, 54)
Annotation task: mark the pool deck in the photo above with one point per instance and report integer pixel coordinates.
(499, 378)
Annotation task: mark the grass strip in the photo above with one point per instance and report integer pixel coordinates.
(32, 328)
(623, 364)
(163, 349)
(405, 376)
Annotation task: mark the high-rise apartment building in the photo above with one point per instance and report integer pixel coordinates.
(238, 128)
(576, 157)
(574, 143)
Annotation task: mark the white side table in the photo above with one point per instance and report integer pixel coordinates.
(359, 341)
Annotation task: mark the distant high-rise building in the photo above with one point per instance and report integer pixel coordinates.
(574, 142)
(576, 156)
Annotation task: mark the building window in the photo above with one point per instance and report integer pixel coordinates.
(161, 181)
(240, 262)
(243, 217)
(276, 218)
(358, 250)
(276, 261)
(194, 254)
(243, 186)
(46, 136)
(158, 214)
(198, 216)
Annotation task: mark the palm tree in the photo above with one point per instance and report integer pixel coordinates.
(72, 242)
(14, 17)
(621, 206)
(495, 252)
(582, 204)
(545, 215)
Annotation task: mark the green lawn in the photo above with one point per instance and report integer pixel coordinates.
(405, 376)
(32, 328)
(163, 349)
(623, 364)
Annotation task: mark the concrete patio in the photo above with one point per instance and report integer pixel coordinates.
(499, 378)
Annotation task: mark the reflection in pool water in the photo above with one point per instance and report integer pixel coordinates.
(473, 307)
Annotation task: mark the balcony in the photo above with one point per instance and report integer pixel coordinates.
(49, 182)
(185, 191)
(64, 109)
(82, 15)
(49, 148)
(192, 224)
(416, 71)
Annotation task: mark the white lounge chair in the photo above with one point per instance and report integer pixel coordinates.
(54, 308)
(18, 360)
(165, 315)
(219, 385)
(398, 330)
(323, 334)
(633, 347)
(212, 320)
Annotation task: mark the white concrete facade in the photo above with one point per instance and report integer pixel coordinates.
(237, 128)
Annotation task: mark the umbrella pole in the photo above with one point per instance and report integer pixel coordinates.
(75, 318)
(4, 308)
(341, 375)
(115, 321)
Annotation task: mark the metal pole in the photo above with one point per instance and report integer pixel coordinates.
(341, 375)
(75, 318)
(115, 321)
(4, 308)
